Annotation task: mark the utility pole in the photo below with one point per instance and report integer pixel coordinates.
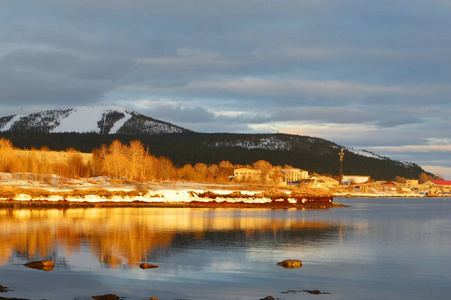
(341, 154)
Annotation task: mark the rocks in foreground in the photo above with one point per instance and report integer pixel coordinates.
(146, 266)
(290, 264)
(44, 265)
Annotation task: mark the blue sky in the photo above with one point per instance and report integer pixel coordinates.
(364, 74)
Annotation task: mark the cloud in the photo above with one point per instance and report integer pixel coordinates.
(365, 74)
(182, 115)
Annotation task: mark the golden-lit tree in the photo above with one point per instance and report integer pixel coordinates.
(117, 155)
(135, 157)
(265, 168)
(165, 168)
(7, 156)
(213, 171)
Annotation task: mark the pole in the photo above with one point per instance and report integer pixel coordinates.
(341, 154)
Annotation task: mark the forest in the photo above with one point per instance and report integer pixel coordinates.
(308, 153)
(132, 162)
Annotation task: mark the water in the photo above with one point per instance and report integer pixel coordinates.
(375, 249)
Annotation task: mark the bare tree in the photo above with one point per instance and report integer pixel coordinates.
(135, 159)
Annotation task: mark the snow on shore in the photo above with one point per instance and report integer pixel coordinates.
(157, 192)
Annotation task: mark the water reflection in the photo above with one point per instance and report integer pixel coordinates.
(124, 237)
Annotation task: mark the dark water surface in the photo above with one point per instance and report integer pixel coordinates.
(375, 249)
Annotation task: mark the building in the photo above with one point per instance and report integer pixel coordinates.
(246, 174)
(355, 179)
(437, 187)
(294, 175)
(411, 183)
(318, 182)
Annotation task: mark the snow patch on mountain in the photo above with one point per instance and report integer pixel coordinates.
(87, 119)
(365, 153)
(268, 143)
(7, 126)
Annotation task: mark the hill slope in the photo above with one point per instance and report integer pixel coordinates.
(85, 119)
(86, 128)
(309, 153)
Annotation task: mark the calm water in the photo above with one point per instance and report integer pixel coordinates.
(376, 249)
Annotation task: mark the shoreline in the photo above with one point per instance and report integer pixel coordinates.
(107, 193)
(46, 204)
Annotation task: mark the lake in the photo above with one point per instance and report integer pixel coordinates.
(375, 249)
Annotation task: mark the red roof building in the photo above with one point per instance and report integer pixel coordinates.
(441, 182)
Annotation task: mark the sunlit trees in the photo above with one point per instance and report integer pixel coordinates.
(424, 178)
(225, 170)
(265, 169)
(136, 155)
(165, 168)
(7, 156)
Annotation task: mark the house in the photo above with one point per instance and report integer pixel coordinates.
(318, 182)
(438, 186)
(389, 187)
(355, 179)
(294, 175)
(411, 184)
(246, 174)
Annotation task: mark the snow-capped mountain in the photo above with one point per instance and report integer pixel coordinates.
(83, 119)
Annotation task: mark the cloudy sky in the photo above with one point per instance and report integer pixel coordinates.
(372, 74)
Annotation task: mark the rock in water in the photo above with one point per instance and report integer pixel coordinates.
(3, 289)
(315, 292)
(268, 298)
(290, 264)
(44, 265)
(146, 266)
(106, 297)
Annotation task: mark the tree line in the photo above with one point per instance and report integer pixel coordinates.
(132, 162)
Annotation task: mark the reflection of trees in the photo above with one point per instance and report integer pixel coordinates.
(127, 236)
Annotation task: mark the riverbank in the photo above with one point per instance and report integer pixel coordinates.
(101, 192)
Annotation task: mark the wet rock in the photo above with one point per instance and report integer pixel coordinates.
(3, 289)
(154, 298)
(290, 264)
(106, 297)
(3, 298)
(44, 265)
(268, 298)
(291, 292)
(315, 292)
(146, 266)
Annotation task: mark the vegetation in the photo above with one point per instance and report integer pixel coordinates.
(189, 148)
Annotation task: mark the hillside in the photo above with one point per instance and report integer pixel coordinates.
(309, 153)
(88, 127)
(88, 119)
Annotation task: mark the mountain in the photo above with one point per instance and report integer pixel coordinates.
(87, 128)
(85, 119)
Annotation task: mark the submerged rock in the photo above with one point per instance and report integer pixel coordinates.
(106, 297)
(146, 266)
(315, 292)
(44, 265)
(268, 298)
(290, 263)
(3, 289)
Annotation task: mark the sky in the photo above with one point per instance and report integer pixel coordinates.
(368, 74)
